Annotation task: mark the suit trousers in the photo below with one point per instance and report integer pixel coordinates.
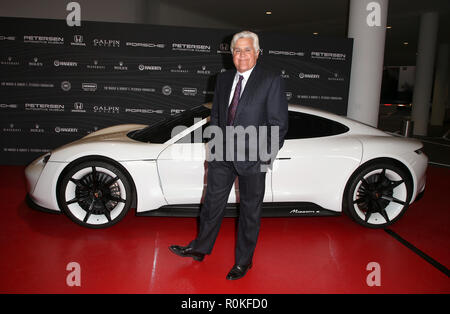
(221, 176)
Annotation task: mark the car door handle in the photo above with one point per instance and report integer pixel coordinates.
(283, 158)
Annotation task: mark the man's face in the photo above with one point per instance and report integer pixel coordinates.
(244, 55)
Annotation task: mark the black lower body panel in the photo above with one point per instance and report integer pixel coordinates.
(280, 209)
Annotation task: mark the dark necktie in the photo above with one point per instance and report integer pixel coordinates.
(235, 101)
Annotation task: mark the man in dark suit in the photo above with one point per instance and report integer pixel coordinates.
(248, 97)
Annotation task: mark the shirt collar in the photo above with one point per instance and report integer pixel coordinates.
(245, 74)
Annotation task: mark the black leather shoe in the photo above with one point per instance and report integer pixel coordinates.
(238, 271)
(186, 251)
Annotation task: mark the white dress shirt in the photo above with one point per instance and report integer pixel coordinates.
(246, 75)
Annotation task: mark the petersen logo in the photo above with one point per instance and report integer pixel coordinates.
(36, 39)
(328, 55)
(44, 107)
(191, 47)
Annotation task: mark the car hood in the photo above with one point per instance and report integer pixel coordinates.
(117, 132)
(111, 142)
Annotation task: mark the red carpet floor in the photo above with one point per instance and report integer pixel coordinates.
(294, 255)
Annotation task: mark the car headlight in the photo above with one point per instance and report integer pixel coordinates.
(418, 151)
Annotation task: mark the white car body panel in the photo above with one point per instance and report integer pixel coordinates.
(174, 173)
(146, 179)
(320, 164)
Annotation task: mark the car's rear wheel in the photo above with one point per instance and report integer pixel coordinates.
(378, 194)
(94, 194)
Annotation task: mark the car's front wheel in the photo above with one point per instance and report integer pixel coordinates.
(94, 194)
(378, 194)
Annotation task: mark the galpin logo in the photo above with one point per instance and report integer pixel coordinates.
(106, 43)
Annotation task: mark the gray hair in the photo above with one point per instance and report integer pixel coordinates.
(246, 34)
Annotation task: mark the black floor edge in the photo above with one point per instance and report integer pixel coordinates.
(426, 257)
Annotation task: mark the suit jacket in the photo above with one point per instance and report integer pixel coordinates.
(262, 103)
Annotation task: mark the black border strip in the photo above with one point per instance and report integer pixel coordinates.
(426, 257)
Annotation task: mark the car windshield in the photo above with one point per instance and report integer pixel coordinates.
(161, 131)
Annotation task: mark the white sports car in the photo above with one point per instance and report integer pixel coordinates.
(328, 164)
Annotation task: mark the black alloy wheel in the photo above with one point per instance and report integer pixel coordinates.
(94, 194)
(378, 195)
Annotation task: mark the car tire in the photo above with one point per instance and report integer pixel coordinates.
(378, 194)
(94, 194)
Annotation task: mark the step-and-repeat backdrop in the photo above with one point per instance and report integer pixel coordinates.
(59, 83)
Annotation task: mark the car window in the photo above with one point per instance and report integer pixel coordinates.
(303, 125)
(162, 131)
